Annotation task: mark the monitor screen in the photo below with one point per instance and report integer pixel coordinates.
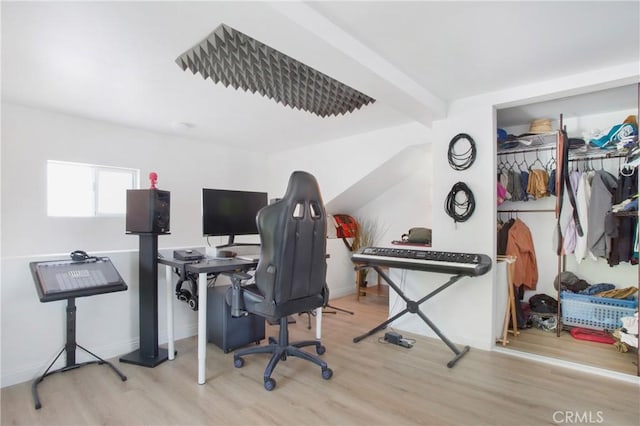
(230, 213)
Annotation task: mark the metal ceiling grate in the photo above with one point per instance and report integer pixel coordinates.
(232, 58)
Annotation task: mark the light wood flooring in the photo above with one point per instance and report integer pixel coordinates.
(565, 347)
(373, 384)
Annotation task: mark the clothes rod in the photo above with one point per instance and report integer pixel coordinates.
(596, 156)
(528, 211)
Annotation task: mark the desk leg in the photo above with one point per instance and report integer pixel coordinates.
(202, 327)
(319, 323)
(168, 274)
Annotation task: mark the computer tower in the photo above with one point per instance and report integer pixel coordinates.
(225, 331)
(148, 211)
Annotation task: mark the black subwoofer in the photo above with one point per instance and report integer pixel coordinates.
(148, 211)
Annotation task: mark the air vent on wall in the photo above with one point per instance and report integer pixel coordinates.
(234, 59)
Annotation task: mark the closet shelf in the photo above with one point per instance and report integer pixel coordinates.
(532, 143)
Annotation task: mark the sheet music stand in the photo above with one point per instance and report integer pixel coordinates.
(68, 279)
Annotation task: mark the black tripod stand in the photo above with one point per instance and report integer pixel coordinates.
(70, 349)
(324, 311)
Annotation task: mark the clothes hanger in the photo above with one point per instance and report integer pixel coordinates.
(551, 164)
(537, 160)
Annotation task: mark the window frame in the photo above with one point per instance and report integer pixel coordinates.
(95, 169)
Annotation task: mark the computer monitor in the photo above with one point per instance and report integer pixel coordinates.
(230, 213)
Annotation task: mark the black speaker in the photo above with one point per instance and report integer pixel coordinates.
(148, 211)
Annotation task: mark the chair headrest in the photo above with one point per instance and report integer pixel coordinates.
(302, 185)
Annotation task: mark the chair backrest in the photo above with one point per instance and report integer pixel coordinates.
(293, 244)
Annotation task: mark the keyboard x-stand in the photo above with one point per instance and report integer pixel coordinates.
(458, 264)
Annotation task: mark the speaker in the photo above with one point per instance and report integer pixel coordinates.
(148, 211)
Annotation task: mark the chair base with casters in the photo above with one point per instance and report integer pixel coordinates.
(291, 274)
(280, 350)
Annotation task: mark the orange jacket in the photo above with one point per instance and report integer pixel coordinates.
(520, 244)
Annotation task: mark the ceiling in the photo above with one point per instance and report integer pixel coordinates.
(114, 61)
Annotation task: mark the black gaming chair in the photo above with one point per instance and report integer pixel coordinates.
(290, 277)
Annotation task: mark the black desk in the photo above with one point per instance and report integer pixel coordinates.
(202, 268)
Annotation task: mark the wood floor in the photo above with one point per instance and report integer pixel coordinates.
(565, 347)
(373, 384)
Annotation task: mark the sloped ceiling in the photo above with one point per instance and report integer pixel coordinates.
(114, 61)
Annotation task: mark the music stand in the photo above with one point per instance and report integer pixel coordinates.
(68, 279)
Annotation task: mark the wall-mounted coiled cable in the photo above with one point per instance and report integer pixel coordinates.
(464, 160)
(460, 202)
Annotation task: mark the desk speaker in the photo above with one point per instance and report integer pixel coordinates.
(148, 211)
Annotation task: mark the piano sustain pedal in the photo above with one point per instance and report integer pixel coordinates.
(396, 339)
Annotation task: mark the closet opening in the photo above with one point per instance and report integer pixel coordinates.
(567, 229)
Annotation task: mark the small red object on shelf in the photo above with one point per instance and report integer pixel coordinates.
(153, 177)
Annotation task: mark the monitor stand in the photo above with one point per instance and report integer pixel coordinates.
(231, 243)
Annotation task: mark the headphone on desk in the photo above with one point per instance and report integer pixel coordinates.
(188, 295)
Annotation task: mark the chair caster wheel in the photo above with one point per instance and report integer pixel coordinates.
(326, 374)
(320, 350)
(269, 384)
(238, 362)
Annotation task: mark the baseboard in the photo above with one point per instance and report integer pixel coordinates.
(108, 352)
(341, 291)
(570, 365)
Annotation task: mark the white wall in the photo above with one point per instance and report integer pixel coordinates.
(463, 312)
(107, 324)
(338, 164)
(466, 312)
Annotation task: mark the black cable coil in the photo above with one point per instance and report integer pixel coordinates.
(460, 210)
(464, 160)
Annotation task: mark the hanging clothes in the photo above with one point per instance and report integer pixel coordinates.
(503, 237)
(566, 222)
(571, 232)
(538, 183)
(501, 193)
(552, 182)
(503, 181)
(621, 228)
(603, 187)
(520, 245)
(583, 197)
(516, 194)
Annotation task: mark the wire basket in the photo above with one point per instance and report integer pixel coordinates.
(598, 313)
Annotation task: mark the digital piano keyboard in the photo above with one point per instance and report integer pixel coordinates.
(424, 260)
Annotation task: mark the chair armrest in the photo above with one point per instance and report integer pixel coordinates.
(237, 307)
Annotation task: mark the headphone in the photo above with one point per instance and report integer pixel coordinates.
(188, 295)
(80, 255)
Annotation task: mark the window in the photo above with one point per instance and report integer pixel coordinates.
(85, 190)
